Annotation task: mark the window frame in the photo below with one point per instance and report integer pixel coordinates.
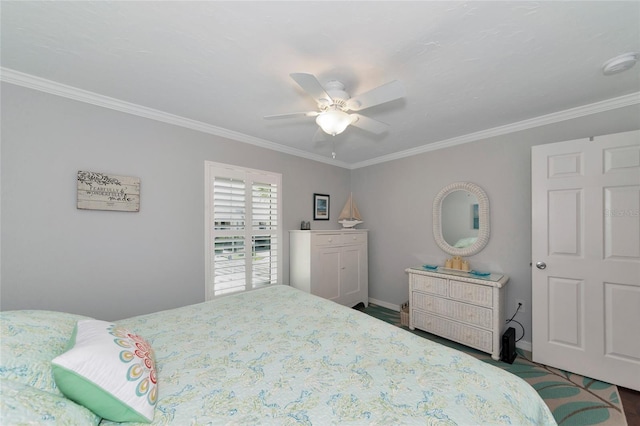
(249, 176)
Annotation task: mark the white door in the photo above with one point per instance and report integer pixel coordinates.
(586, 236)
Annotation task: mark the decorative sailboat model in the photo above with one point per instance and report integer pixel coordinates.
(350, 216)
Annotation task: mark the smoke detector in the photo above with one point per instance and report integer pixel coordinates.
(620, 63)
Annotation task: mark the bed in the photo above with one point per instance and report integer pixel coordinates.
(275, 355)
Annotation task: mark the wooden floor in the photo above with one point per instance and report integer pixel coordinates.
(631, 404)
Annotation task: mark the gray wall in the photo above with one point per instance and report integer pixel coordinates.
(112, 265)
(395, 199)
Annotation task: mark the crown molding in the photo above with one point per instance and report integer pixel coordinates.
(543, 120)
(32, 82)
(36, 83)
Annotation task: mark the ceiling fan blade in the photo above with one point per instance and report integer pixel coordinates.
(369, 124)
(381, 94)
(312, 86)
(292, 115)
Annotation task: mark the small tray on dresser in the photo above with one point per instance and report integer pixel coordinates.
(467, 274)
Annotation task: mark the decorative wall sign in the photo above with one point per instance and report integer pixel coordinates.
(99, 191)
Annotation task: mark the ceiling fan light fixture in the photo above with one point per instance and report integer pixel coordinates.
(334, 105)
(333, 121)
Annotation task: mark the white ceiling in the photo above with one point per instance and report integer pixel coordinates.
(467, 67)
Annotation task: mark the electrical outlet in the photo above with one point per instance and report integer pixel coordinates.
(522, 308)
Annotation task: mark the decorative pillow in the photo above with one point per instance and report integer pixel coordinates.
(109, 370)
(29, 340)
(25, 405)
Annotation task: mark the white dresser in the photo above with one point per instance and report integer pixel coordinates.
(458, 306)
(330, 264)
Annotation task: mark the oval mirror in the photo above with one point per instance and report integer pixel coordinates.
(461, 219)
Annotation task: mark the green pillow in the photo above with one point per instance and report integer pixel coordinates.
(109, 370)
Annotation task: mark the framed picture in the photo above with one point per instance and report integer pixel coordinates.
(475, 217)
(320, 207)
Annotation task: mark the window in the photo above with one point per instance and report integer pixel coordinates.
(242, 227)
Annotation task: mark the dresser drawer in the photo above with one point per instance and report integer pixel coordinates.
(340, 239)
(470, 314)
(429, 284)
(355, 238)
(467, 335)
(472, 293)
(326, 239)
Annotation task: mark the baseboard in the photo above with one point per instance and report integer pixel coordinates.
(385, 304)
(524, 345)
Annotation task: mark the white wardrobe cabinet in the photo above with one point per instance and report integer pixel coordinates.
(330, 264)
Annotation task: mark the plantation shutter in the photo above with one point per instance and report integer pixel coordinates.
(243, 229)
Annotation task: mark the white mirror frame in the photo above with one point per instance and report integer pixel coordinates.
(483, 212)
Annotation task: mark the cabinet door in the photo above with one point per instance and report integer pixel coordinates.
(351, 279)
(325, 273)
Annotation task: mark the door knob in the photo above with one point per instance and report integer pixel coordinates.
(541, 265)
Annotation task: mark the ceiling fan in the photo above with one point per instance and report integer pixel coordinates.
(334, 104)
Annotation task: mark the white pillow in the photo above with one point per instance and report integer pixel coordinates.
(109, 370)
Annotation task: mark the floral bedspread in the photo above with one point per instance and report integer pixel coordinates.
(280, 356)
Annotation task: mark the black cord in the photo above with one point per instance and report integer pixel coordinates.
(517, 340)
(516, 313)
(512, 320)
